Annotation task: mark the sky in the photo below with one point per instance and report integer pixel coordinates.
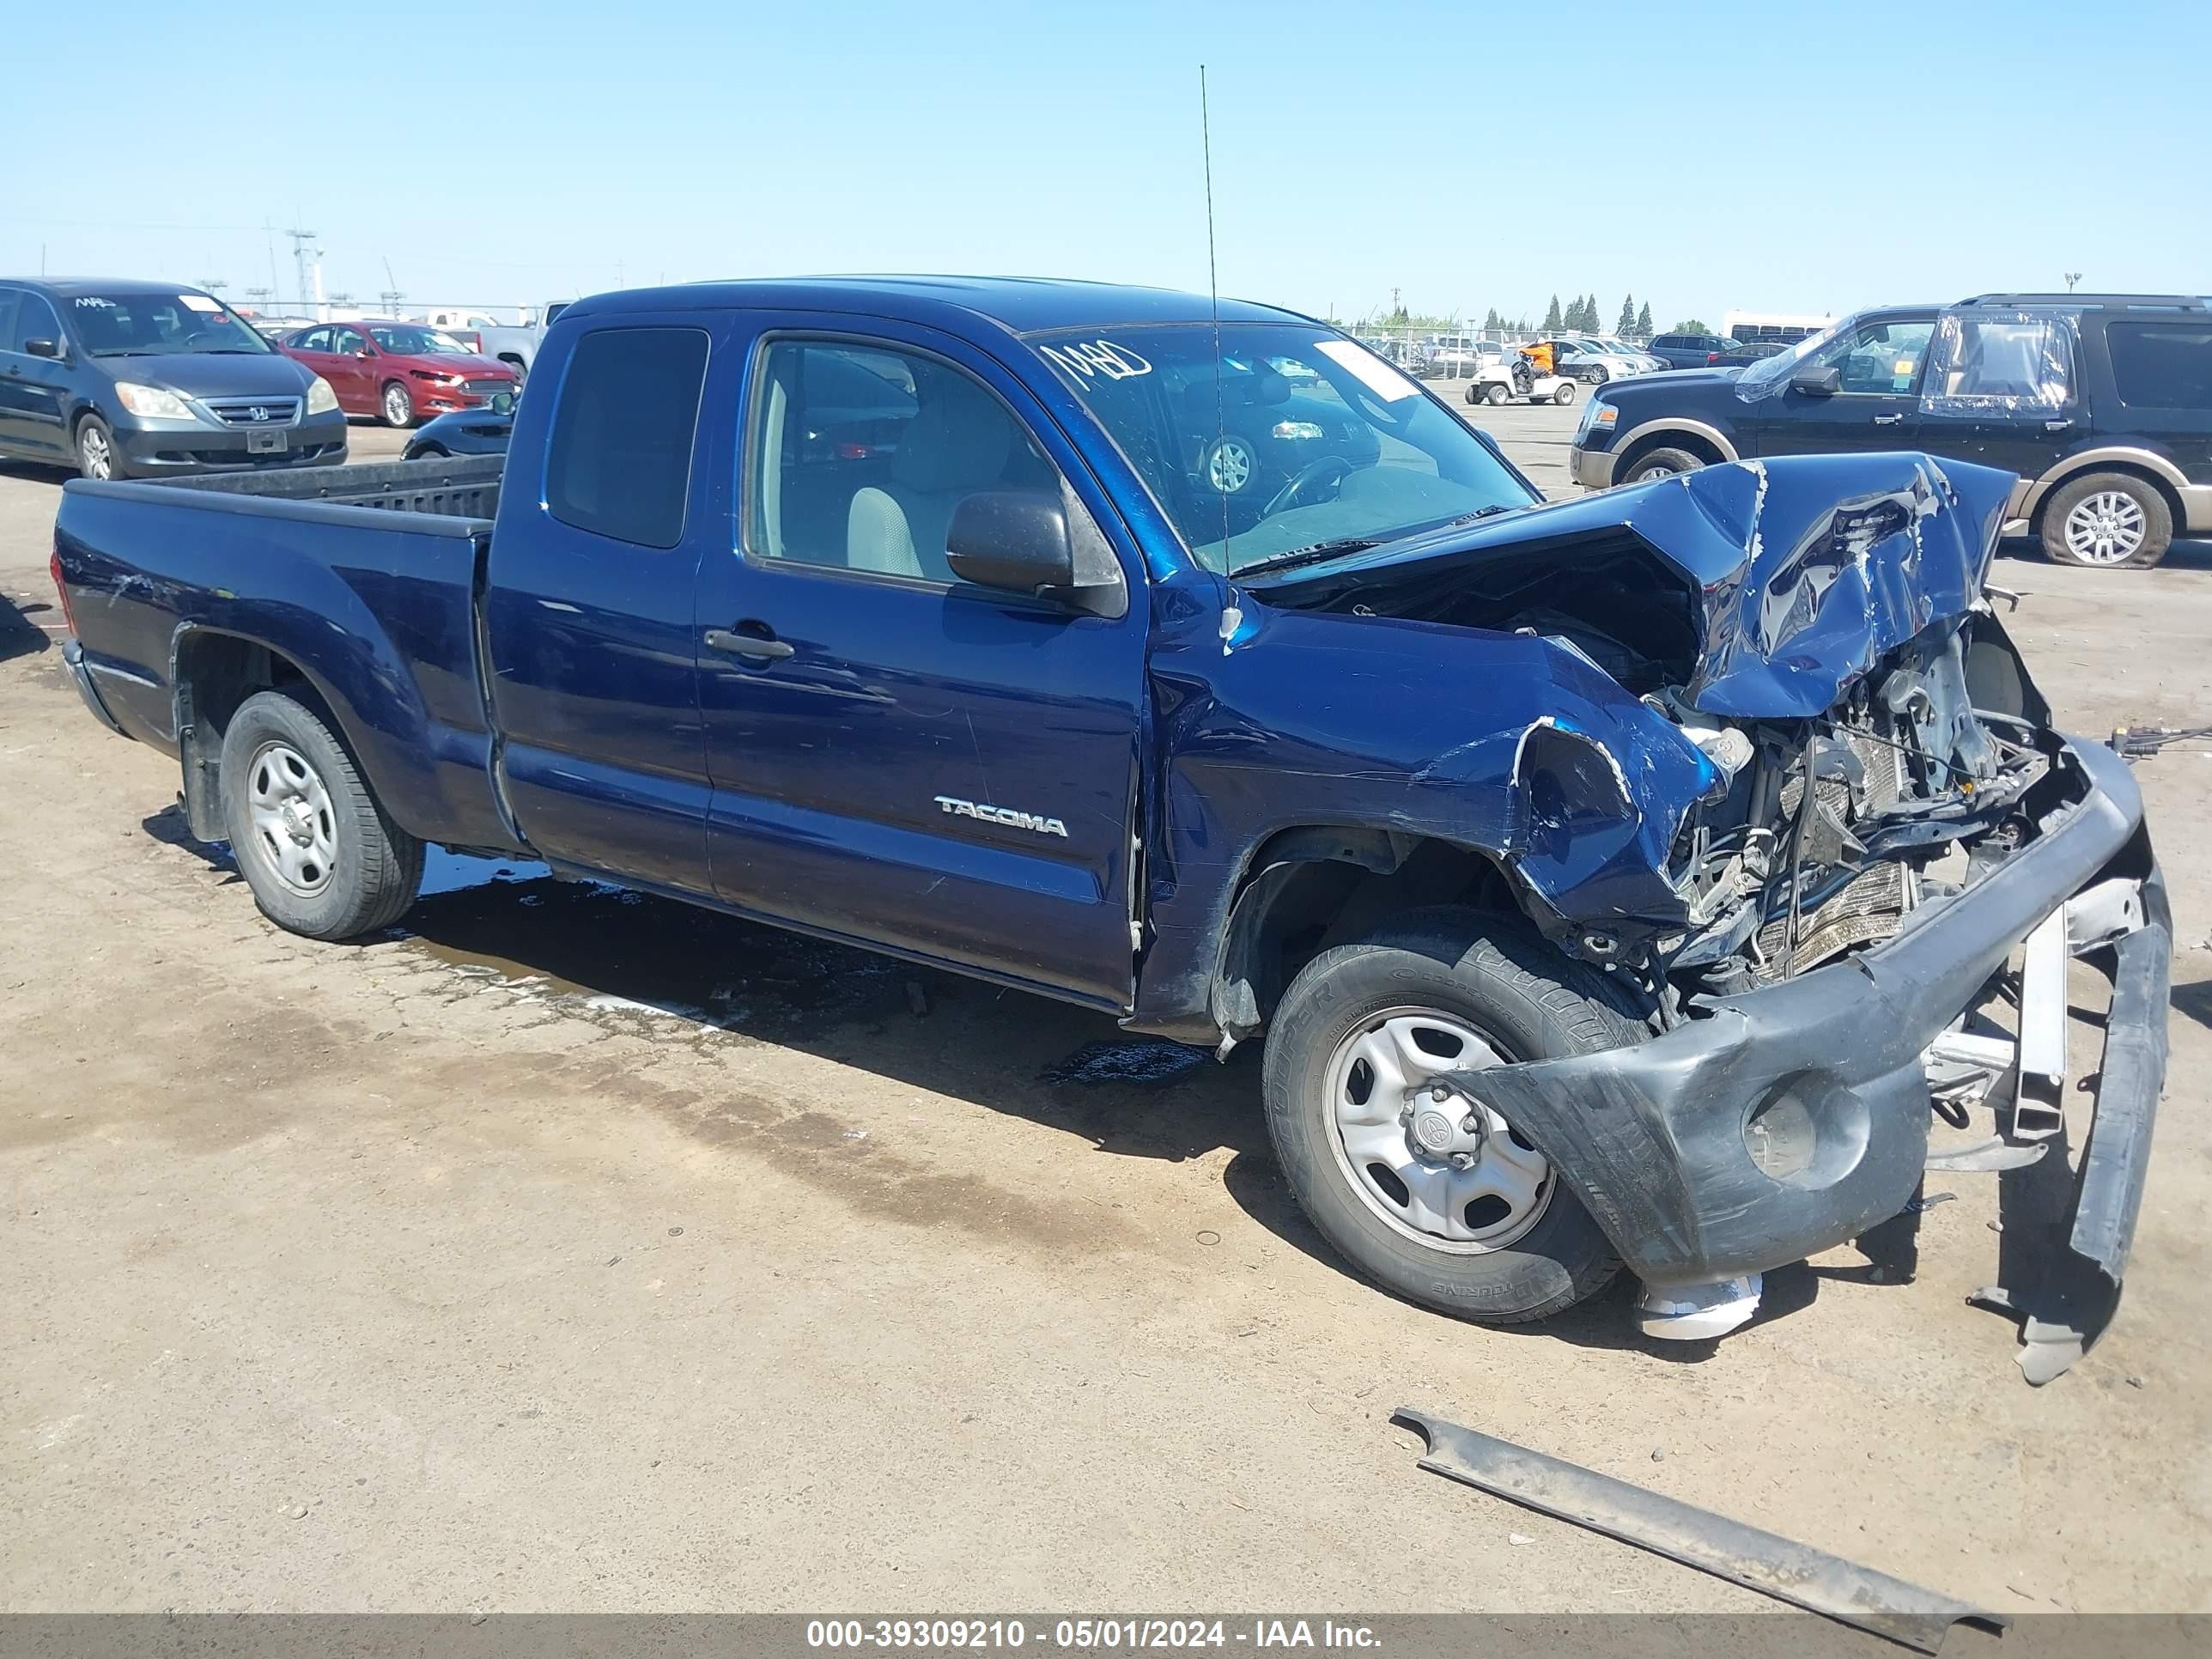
(1700, 156)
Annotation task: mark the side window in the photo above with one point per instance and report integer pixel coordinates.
(860, 454)
(1880, 358)
(2154, 365)
(10, 341)
(619, 464)
(2005, 363)
(347, 341)
(315, 339)
(35, 320)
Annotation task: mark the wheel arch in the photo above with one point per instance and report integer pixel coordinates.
(2152, 469)
(1709, 443)
(212, 671)
(1310, 886)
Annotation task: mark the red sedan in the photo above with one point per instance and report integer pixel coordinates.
(399, 371)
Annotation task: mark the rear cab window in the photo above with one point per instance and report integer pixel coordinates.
(619, 462)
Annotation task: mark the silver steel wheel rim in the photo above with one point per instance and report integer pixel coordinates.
(1645, 473)
(294, 826)
(1229, 466)
(2106, 528)
(397, 408)
(99, 459)
(1466, 1190)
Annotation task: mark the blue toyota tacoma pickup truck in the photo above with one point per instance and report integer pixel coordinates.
(1615, 881)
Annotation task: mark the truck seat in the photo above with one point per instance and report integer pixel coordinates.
(959, 441)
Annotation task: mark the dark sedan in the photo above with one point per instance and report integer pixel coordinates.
(464, 432)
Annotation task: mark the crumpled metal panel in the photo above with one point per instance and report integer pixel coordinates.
(1815, 567)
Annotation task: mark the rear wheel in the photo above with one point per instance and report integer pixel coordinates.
(1425, 1190)
(1663, 463)
(1564, 392)
(319, 853)
(397, 405)
(2107, 521)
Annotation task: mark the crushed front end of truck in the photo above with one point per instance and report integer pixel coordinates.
(1852, 919)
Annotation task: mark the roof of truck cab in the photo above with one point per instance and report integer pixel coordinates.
(1022, 305)
(68, 287)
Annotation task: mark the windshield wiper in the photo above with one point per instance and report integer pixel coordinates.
(1313, 555)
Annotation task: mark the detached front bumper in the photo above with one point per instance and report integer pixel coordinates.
(1654, 1138)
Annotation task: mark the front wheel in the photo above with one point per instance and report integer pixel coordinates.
(2108, 521)
(319, 853)
(1659, 464)
(1429, 1192)
(1494, 394)
(1599, 375)
(399, 405)
(95, 450)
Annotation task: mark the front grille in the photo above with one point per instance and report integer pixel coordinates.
(252, 411)
(485, 388)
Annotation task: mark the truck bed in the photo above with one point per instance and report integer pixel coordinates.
(466, 487)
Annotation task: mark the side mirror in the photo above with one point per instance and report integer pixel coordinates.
(43, 347)
(1817, 382)
(1011, 539)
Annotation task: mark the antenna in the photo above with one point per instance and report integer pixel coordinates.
(1213, 289)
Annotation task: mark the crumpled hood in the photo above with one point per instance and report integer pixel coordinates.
(1807, 570)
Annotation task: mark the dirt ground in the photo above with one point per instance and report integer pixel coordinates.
(572, 1250)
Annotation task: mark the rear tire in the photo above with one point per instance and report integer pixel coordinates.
(1438, 972)
(396, 404)
(2107, 521)
(1662, 463)
(1564, 393)
(322, 859)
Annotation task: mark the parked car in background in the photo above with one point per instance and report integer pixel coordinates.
(1644, 362)
(399, 371)
(514, 344)
(1476, 807)
(2100, 403)
(1690, 351)
(464, 432)
(123, 379)
(1593, 363)
(1744, 353)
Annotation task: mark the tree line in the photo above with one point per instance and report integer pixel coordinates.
(1578, 315)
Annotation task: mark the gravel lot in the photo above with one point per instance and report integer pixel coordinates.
(579, 1252)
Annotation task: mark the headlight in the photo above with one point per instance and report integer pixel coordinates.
(321, 400)
(152, 401)
(1298, 429)
(1596, 414)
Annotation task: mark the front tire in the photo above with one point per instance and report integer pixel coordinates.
(1440, 1202)
(1495, 395)
(1663, 463)
(317, 852)
(396, 404)
(2107, 521)
(96, 455)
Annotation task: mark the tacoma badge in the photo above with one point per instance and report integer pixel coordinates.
(1006, 814)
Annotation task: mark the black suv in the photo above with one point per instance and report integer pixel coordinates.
(2101, 404)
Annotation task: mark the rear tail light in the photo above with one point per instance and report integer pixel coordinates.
(1713, 356)
(61, 587)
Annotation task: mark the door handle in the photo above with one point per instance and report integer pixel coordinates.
(1887, 420)
(2056, 426)
(735, 643)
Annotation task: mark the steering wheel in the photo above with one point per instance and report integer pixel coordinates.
(1312, 473)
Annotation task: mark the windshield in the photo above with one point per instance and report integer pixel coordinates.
(412, 341)
(159, 325)
(1291, 439)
